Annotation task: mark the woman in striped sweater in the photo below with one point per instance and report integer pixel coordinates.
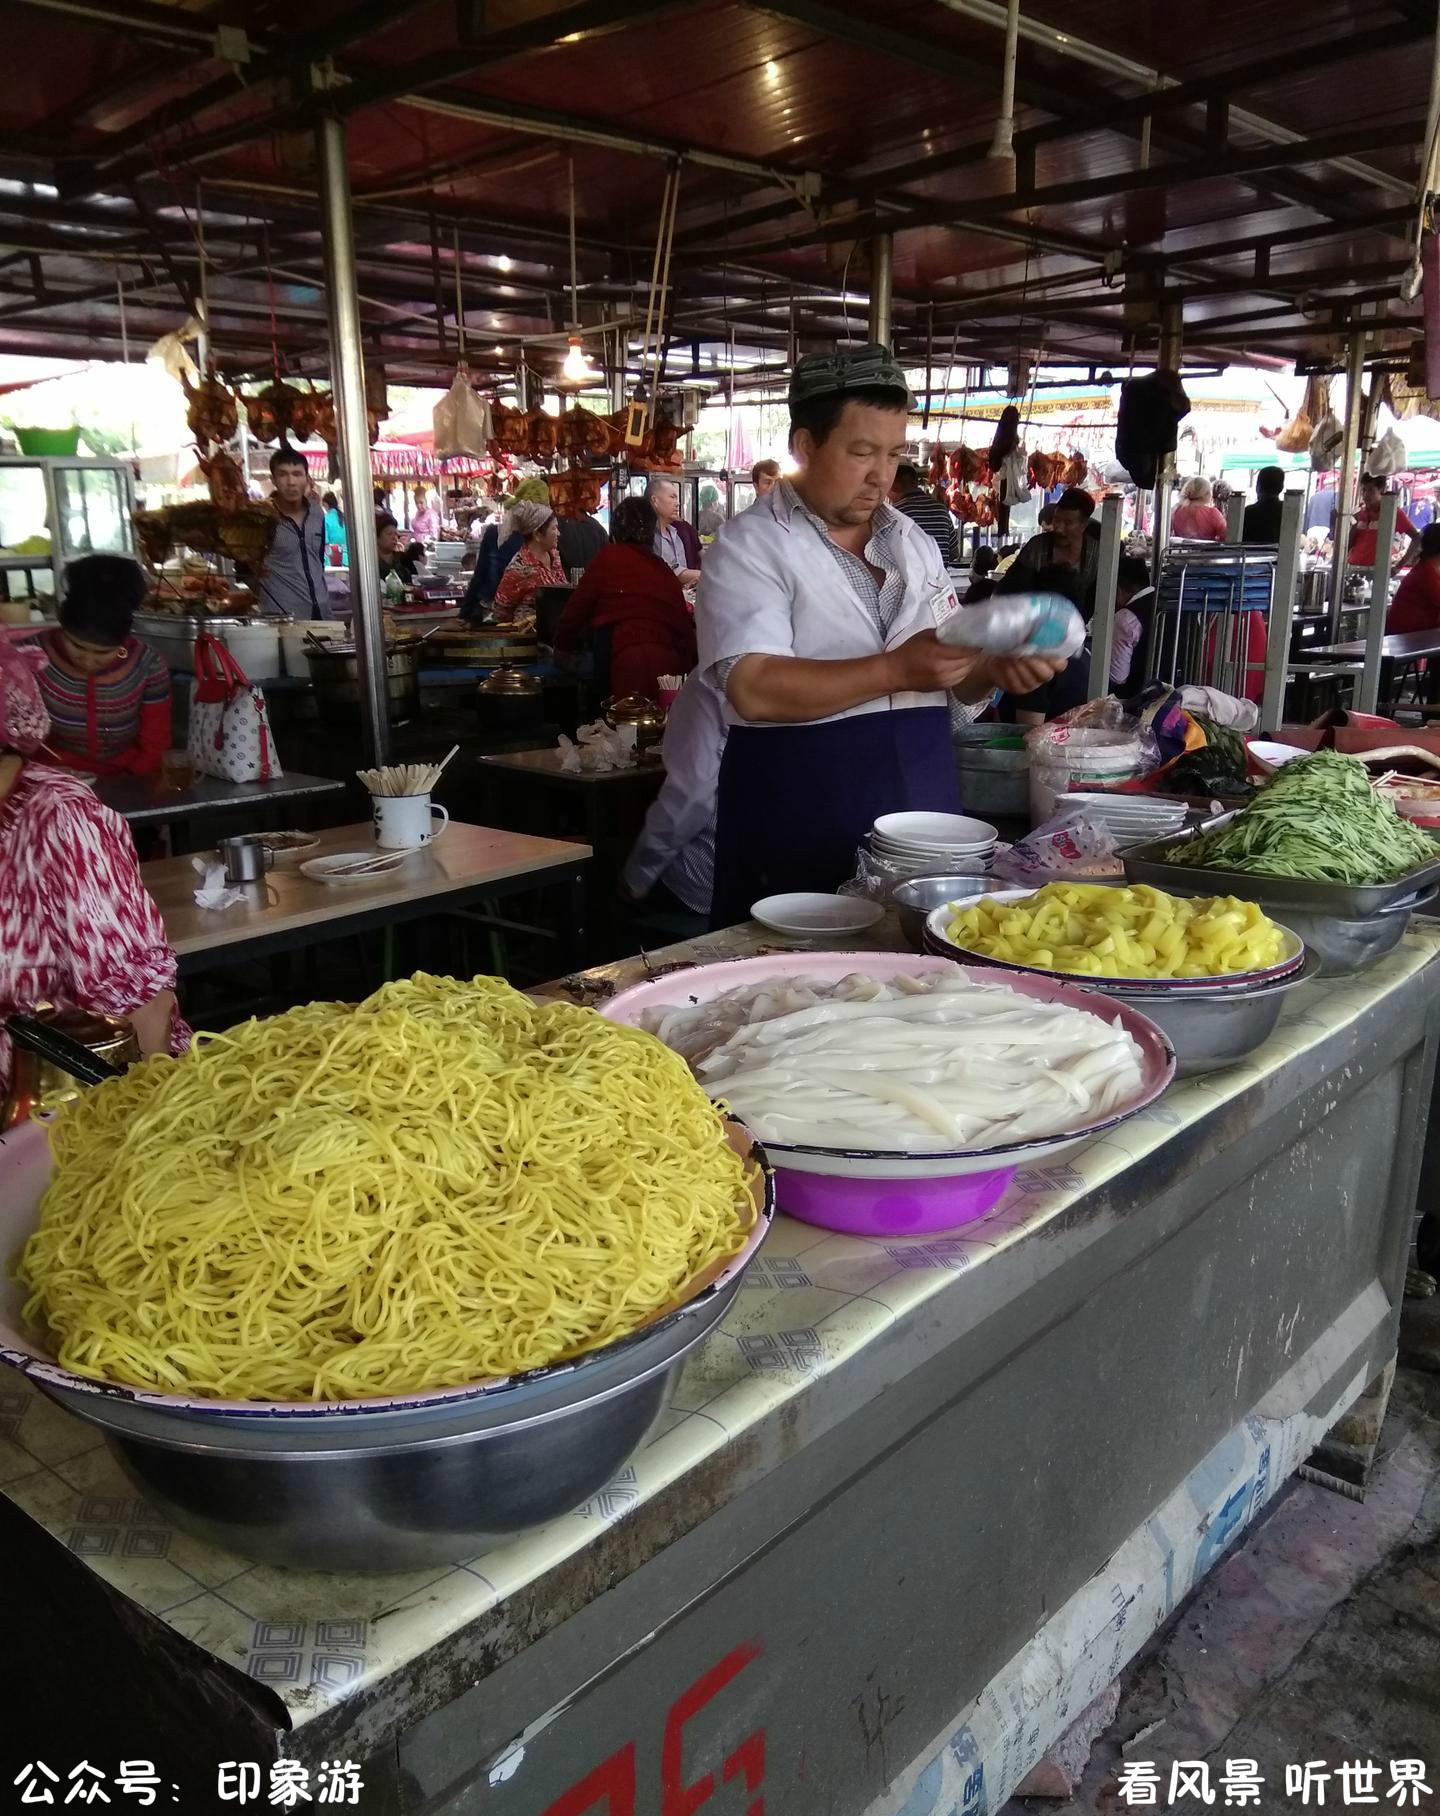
(107, 693)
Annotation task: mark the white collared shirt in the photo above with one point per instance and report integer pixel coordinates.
(677, 843)
(773, 585)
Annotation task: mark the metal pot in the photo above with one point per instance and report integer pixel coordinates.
(335, 672)
(173, 635)
(992, 781)
(510, 700)
(42, 1080)
(482, 649)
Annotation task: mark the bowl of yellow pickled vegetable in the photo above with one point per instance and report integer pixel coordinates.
(1137, 940)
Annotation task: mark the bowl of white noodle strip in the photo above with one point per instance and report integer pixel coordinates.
(857, 1069)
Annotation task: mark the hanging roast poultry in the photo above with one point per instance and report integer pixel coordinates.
(212, 414)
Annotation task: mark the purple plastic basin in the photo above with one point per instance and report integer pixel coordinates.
(889, 1207)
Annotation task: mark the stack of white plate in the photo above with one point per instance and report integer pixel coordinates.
(933, 844)
(1130, 819)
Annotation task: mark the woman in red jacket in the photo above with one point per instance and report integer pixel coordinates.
(107, 693)
(628, 591)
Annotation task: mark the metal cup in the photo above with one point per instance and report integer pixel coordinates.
(246, 859)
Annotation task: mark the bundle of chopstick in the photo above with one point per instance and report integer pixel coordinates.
(404, 778)
(670, 683)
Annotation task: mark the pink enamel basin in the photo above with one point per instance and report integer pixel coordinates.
(892, 1167)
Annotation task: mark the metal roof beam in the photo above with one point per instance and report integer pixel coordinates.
(459, 104)
(167, 25)
(1283, 66)
(1322, 149)
(454, 63)
(1097, 56)
(967, 67)
(311, 46)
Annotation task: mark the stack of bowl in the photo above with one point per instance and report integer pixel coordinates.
(929, 844)
(1211, 1021)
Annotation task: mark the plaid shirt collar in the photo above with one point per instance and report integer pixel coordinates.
(882, 524)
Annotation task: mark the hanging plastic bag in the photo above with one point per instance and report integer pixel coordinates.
(1015, 476)
(462, 420)
(1387, 456)
(1325, 443)
(169, 352)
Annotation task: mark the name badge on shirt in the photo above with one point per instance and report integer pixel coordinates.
(944, 602)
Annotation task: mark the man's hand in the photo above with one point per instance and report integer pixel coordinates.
(689, 576)
(922, 664)
(1022, 674)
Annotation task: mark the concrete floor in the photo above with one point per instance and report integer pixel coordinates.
(1317, 1639)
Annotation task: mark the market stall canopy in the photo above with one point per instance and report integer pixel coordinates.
(1269, 191)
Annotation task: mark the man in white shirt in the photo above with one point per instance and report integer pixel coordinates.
(816, 616)
(676, 847)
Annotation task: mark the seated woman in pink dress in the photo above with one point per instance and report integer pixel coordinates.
(535, 564)
(1197, 518)
(77, 928)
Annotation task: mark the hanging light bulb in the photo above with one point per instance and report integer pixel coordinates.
(577, 366)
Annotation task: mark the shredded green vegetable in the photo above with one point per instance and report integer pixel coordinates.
(1317, 819)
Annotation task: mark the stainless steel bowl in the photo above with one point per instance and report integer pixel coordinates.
(921, 895)
(394, 1491)
(385, 1483)
(1210, 1031)
(1345, 945)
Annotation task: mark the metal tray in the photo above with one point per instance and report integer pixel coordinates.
(1350, 901)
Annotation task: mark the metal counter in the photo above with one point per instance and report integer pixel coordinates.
(878, 1483)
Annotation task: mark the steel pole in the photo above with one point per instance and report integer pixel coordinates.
(347, 380)
(1344, 495)
(1368, 694)
(882, 273)
(1102, 622)
(1282, 612)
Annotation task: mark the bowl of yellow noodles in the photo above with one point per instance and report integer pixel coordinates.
(371, 1285)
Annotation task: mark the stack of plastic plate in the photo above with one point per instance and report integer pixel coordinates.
(933, 844)
(1130, 819)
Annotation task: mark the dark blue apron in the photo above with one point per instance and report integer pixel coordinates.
(796, 800)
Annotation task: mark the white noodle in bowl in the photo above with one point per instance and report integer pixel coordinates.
(887, 1066)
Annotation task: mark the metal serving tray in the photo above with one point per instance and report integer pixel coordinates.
(1148, 863)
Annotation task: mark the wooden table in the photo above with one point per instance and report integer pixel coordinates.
(287, 910)
(145, 800)
(605, 808)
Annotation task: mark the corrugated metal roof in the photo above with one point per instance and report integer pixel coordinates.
(889, 106)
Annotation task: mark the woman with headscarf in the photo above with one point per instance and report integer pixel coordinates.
(499, 543)
(535, 564)
(77, 928)
(629, 592)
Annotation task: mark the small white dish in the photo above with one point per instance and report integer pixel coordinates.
(816, 916)
(1272, 755)
(377, 864)
(935, 831)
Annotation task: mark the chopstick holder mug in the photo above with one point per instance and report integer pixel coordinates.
(404, 822)
(230, 735)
